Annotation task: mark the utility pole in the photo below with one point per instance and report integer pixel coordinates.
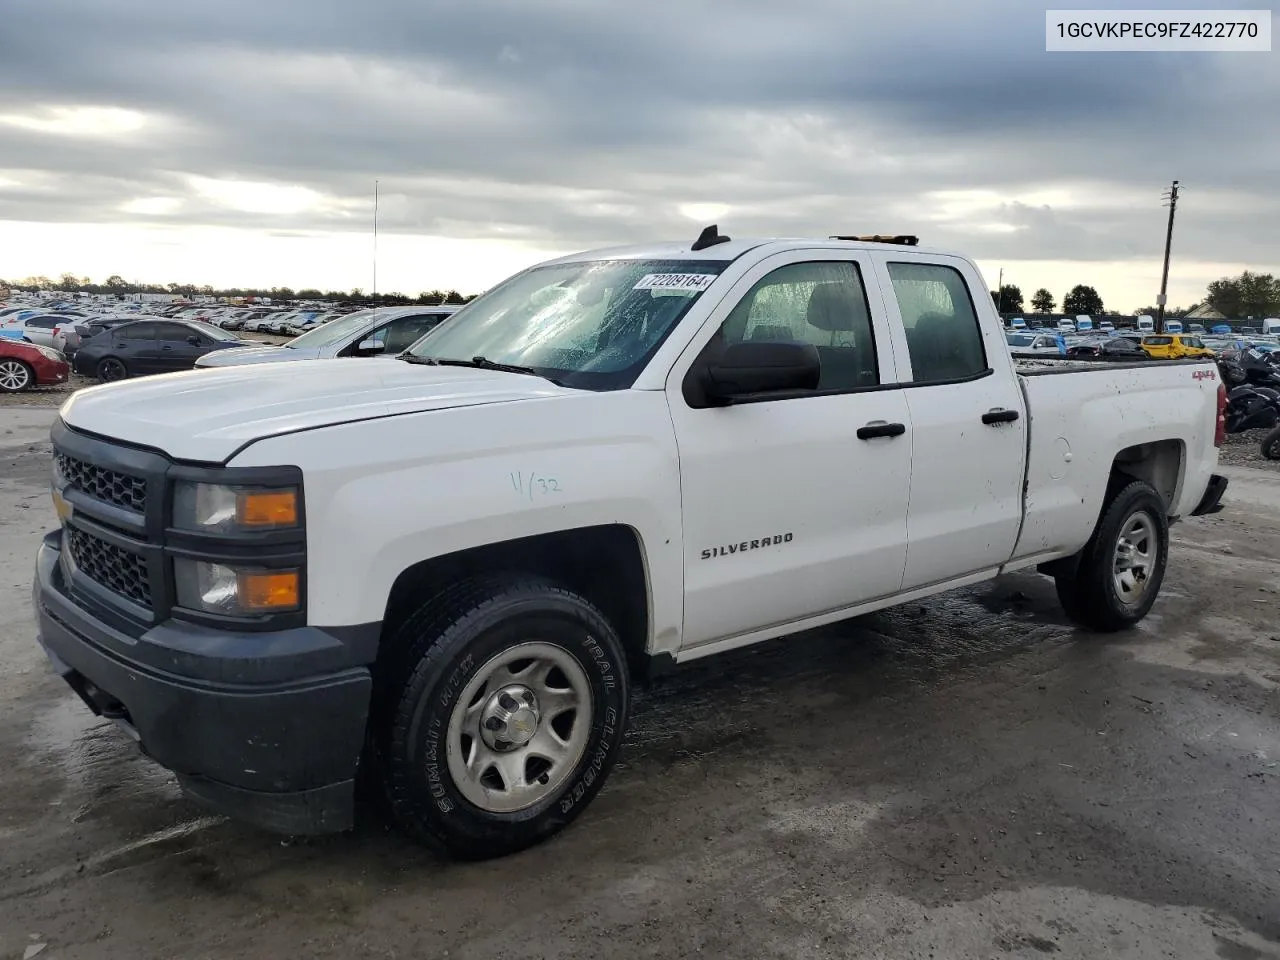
(1000, 294)
(1172, 197)
(375, 238)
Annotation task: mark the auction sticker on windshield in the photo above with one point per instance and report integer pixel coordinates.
(675, 281)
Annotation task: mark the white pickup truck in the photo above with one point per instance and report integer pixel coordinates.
(444, 571)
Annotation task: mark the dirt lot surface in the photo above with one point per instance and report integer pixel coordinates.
(967, 778)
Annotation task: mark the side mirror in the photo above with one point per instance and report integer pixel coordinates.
(742, 370)
(371, 346)
(193, 340)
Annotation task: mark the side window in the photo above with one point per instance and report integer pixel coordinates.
(820, 303)
(402, 333)
(137, 331)
(944, 338)
(172, 332)
(42, 323)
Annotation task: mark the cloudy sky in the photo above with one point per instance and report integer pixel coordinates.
(237, 141)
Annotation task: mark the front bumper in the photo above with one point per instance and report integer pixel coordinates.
(264, 727)
(1211, 502)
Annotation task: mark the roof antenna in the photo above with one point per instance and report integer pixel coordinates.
(709, 238)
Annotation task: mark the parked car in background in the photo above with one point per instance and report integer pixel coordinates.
(150, 346)
(41, 328)
(26, 365)
(1108, 348)
(379, 332)
(1174, 346)
(1106, 326)
(1050, 343)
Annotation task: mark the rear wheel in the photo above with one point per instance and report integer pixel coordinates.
(1122, 566)
(502, 713)
(111, 369)
(15, 376)
(1271, 445)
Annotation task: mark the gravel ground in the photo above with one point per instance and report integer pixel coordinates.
(963, 778)
(1246, 448)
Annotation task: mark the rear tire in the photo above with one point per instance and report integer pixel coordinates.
(1122, 566)
(111, 369)
(1271, 445)
(15, 376)
(502, 707)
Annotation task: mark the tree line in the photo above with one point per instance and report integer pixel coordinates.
(116, 285)
(1248, 295)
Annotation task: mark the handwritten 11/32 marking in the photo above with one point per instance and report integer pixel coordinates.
(534, 484)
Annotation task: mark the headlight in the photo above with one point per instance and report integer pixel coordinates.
(47, 352)
(222, 508)
(235, 590)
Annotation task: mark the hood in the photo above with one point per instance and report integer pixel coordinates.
(258, 353)
(207, 415)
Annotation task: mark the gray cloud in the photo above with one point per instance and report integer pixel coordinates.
(576, 123)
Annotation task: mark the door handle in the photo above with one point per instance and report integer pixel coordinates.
(166, 347)
(878, 428)
(999, 416)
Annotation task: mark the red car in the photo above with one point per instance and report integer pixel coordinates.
(24, 365)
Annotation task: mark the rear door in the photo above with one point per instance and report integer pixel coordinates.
(135, 344)
(794, 505)
(968, 428)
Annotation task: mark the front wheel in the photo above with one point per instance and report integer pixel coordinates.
(505, 709)
(15, 376)
(1271, 445)
(111, 369)
(1122, 566)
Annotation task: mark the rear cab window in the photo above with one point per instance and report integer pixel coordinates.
(943, 332)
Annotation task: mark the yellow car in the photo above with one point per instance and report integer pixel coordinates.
(1174, 346)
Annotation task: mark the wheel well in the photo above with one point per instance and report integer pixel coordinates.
(1158, 463)
(604, 564)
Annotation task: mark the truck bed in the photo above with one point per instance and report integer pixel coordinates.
(1079, 423)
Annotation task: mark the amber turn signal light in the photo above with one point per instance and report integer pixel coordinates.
(267, 508)
(267, 590)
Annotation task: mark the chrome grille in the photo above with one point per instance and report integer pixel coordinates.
(120, 571)
(121, 489)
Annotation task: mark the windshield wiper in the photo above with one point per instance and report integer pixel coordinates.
(480, 363)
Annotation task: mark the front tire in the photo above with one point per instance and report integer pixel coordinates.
(504, 704)
(1122, 566)
(15, 376)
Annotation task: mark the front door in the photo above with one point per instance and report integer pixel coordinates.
(968, 422)
(794, 506)
(174, 349)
